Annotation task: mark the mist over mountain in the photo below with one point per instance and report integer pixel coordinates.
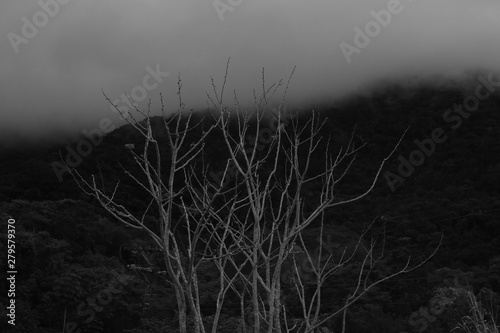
(52, 76)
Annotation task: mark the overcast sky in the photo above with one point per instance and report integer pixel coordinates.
(52, 80)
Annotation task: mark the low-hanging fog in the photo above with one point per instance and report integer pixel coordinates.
(52, 82)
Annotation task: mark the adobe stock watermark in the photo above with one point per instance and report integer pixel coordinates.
(427, 147)
(30, 28)
(223, 6)
(372, 29)
(91, 305)
(95, 136)
(426, 315)
(139, 93)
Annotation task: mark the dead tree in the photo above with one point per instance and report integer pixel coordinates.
(262, 216)
(160, 180)
(273, 182)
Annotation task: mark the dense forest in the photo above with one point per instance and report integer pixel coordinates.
(440, 188)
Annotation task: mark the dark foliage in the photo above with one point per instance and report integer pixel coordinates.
(69, 250)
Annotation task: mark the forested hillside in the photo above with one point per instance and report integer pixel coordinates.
(441, 186)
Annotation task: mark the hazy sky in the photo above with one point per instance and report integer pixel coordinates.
(52, 80)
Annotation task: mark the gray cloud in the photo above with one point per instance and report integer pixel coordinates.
(54, 82)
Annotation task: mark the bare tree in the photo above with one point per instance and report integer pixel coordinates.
(255, 216)
(274, 185)
(160, 179)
